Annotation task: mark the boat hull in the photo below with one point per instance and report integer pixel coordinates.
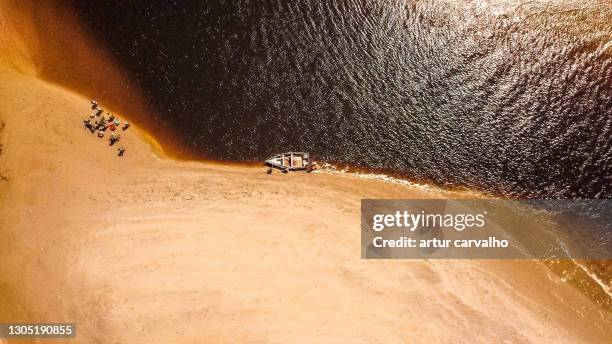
(290, 161)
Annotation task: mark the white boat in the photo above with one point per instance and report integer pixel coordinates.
(291, 161)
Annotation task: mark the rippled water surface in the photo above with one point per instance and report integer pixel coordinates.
(508, 97)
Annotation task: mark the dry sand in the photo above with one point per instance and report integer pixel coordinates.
(146, 249)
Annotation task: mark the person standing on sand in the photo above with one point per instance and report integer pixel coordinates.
(114, 138)
(121, 151)
(88, 125)
(101, 124)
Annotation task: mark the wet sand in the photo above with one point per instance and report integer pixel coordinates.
(147, 249)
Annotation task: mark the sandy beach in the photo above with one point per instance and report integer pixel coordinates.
(149, 249)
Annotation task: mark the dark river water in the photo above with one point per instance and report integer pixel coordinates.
(513, 98)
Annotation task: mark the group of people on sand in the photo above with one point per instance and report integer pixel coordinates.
(98, 122)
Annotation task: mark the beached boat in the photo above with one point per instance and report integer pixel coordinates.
(291, 161)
